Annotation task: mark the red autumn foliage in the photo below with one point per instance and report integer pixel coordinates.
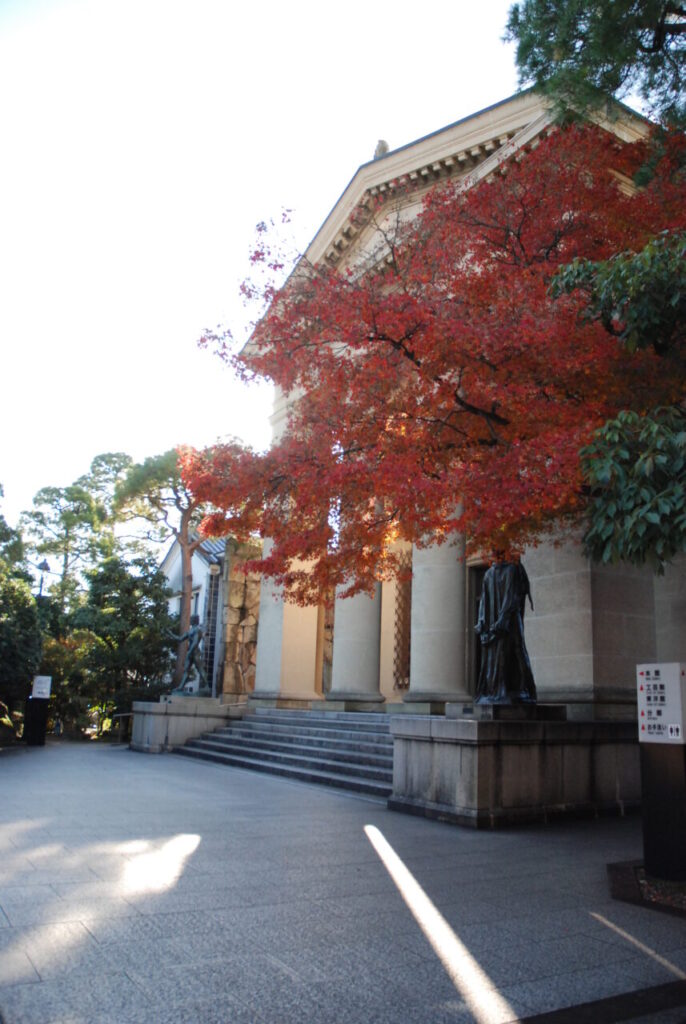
(445, 390)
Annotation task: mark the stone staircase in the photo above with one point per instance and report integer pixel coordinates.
(347, 749)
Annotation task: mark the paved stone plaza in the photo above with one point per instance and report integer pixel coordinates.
(139, 888)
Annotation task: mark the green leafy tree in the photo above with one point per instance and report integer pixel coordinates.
(65, 659)
(100, 482)
(153, 492)
(579, 52)
(639, 297)
(582, 55)
(20, 639)
(122, 629)
(12, 554)
(636, 467)
(62, 524)
(76, 525)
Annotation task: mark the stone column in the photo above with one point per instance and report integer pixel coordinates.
(437, 632)
(356, 650)
(285, 672)
(269, 642)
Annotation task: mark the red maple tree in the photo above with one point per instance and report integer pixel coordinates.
(441, 386)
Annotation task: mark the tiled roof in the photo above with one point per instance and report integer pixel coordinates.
(213, 547)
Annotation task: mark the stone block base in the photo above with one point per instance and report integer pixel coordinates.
(489, 773)
(353, 705)
(431, 702)
(275, 700)
(508, 712)
(420, 707)
(177, 719)
(602, 711)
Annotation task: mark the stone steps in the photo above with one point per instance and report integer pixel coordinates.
(349, 750)
(337, 751)
(371, 743)
(356, 721)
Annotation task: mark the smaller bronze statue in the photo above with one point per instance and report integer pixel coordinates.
(192, 663)
(505, 675)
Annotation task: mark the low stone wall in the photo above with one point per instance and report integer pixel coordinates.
(488, 773)
(161, 727)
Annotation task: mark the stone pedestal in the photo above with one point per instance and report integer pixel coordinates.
(507, 712)
(485, 773)
(356, 650)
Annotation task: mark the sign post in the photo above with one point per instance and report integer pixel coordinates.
(36, 711)
(661, 692)
(41, 686)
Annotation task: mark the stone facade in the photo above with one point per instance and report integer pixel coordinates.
(591, 624)
(590, 627)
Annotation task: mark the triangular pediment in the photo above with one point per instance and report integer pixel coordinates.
(468, 149)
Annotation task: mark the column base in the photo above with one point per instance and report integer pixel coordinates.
(351, 701)
(430, 703)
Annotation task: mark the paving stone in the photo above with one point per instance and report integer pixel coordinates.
(11, 877)
(49, 1002)
(106, 931)
(151, 955)
(16, 968)
(18, 895)
(21, 915)
(224, 1010)
(284, 912)
(571, 989)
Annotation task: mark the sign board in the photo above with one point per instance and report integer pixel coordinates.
(41, 686)
(661, 691)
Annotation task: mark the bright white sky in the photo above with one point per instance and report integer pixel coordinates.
(142, 140)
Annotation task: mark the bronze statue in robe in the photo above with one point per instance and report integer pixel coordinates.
(505, 675)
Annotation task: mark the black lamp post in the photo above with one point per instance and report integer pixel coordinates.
(44, 567)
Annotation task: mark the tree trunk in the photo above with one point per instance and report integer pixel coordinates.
(187, 547)
(65, 574)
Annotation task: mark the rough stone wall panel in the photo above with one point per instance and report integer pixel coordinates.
(240, 622)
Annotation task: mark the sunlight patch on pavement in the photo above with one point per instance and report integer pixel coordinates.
(159, 869)
(476, 988)
(134, 846)
(12, 831)
(132, 869)
(676, 971)
(47, 852)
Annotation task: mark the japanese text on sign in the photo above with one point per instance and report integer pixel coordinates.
(661, 692)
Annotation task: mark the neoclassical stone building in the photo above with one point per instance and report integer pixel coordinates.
(411, 647)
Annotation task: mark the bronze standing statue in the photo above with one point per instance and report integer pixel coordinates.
(505, 676)
(193, 661)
